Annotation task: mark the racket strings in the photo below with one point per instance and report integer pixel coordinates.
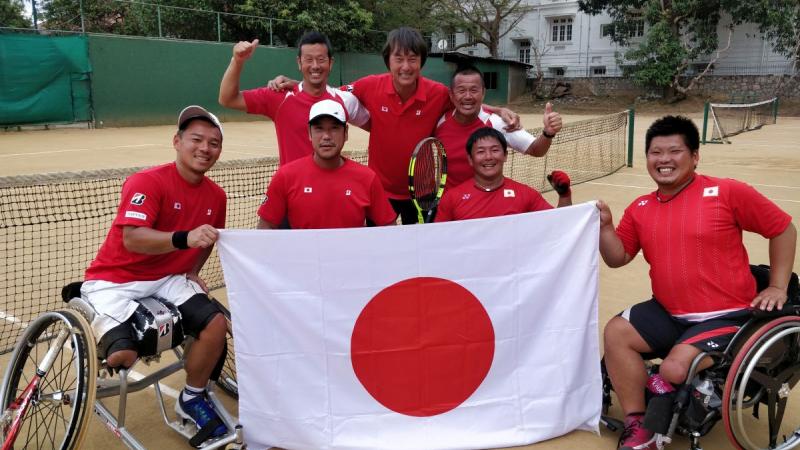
(427, 174)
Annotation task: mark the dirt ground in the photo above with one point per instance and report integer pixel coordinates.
(767, 159)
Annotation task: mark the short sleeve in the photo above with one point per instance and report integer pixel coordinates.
(536, 202)
(273, 208)
(263, 101)
(357, 114)
(380, 210)
(140, 202)
(519, 140)
(444, 213)
(754, 212)
(626, 231)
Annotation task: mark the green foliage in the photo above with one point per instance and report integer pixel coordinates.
(11, 14)
(683, 31)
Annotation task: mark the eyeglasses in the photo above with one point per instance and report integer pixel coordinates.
(321, 60)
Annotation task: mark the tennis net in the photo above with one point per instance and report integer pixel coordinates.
(729, 119)
(52, 225)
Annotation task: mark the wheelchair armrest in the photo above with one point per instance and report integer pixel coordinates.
(71, 291)
(789, 309)
(83, 307)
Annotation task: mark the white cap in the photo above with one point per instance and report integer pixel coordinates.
(193, 112)
(327, 108)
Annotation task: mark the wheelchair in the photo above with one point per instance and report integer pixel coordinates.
(54, 378)
(748, 386)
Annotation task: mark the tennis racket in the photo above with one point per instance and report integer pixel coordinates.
(427, 175)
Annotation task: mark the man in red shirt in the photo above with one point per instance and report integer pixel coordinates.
(165, 228)
(289, 109)
(404, 108)
(466, 94)
(489, 193)
(690, 232)
(325, 190)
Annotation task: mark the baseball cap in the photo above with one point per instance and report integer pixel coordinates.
(194, 112)
(327, 108)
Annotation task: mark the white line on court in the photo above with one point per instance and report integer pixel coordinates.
(166, 390)
(12, 319)
(72, 150)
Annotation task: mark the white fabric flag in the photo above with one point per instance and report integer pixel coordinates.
(472, 334)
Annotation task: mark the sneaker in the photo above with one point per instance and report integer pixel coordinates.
(636, 436)
(199, 411)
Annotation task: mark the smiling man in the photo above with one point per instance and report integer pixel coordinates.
(690, 232)
(489, 193)
(325, 189)
(162, 235)
(466, 93)
(289, 109)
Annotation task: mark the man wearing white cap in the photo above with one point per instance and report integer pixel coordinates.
(325, 189)
(165, 228)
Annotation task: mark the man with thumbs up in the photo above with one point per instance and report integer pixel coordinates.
(289, 109)
(454, 127)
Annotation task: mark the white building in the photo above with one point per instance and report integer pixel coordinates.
(575, 44)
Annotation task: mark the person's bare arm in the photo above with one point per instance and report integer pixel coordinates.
(781, 259)
(282, 83)
(229, 94)
(561, 184)
(194, 274)
(552, 125)
(509, 117)
(611, 248)
(154, 242)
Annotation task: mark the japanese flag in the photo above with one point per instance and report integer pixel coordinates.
(472, 334)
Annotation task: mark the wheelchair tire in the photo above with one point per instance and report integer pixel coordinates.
(770, 358)
(59, 411)
(227, 378)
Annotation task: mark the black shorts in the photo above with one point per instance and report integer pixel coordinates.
(662, 331)
(196, 313)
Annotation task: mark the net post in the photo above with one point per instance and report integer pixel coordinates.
(631, 114)
(219, 29)
(705, 121)
(775, 111)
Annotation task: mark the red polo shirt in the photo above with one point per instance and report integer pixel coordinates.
(398, 126)
(699, 267)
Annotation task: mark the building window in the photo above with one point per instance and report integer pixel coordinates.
(637, 28)
(607, 30)
(490, 80)
(556, 71)
(599, 71)
(525, 52)
(470, 38)
(562, 30)
(451, 41)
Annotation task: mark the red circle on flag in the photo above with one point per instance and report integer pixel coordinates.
(422, 346)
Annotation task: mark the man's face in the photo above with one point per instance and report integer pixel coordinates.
(404, 67)
(328, 136)
(198, 147)
(314, 64)
(467, 94)
(670, 162)
(487, 158)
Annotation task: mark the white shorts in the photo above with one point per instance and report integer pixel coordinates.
(113, 302)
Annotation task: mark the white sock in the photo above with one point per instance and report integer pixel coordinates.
(190, 392)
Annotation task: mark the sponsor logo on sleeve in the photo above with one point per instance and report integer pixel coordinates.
(136, 215)
(642, 203)
(385, 108)
(712, 191)
(138, 199)
(348, 192)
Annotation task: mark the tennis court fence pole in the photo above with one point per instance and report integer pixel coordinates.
(631, 113)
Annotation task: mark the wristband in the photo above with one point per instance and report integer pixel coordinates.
(548, 136)
(180, 240)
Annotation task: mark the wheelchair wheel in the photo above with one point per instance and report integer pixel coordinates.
(760, 383)
(227, 378)
(59, 406)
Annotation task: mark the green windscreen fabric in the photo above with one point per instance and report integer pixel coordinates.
(44, 79)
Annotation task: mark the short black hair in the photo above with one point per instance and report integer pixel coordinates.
(670, 125)
(466, 70)
(314, 37)
(408, 39)
(486, 132)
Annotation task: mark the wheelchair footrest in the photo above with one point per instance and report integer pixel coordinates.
(204, 433)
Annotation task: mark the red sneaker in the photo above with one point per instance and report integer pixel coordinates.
(636, 436)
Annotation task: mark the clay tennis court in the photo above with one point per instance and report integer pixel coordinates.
(768, 159)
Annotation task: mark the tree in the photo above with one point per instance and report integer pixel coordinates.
(681, 32)
(487, 21)
(11, 14)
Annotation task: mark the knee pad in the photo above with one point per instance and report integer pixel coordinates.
(196, 313)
